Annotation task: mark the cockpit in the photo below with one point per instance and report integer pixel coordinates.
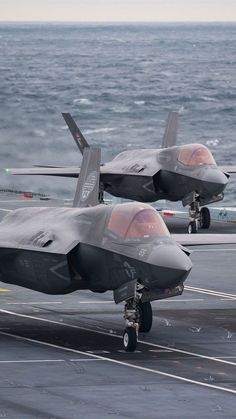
(131, 221)
(195, 155)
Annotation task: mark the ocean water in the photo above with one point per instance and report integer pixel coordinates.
(119, 82)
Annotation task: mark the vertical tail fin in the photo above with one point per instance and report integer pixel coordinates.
(75, 131)
(87, 191)
(170, 135)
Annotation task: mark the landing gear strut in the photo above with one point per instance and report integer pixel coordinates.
(199, 218)
(138, 317)
(131, 315)
(194, 215)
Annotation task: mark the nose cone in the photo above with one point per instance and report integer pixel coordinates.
(215, 181)
(169, 265)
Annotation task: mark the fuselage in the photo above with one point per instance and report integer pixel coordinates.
(171, 173)
(60, 250)
(147, 175)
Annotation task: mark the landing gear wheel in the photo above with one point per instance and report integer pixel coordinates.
(130, 339)
(192, 227)
(145, 316)
(205, 218)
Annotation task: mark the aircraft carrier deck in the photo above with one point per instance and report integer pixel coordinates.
(62, 356)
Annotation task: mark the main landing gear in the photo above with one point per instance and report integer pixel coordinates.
(199, 218)
(138, 318)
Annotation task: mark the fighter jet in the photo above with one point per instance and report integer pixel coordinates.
(124, 248)
(186, 173)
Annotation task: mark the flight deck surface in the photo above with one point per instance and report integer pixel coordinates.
(62, 356)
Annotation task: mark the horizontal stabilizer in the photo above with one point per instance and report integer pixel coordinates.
(75, 131)
(87, 191)
(170, 135)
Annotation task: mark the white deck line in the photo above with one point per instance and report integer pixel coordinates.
(125, 364)
(193, 354)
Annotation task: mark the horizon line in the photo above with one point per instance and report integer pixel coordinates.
(121, 21)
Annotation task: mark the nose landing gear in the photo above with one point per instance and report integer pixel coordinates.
(194, 215)
(199, 218)
(138, 317)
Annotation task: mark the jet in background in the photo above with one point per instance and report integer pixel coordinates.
(186, 173)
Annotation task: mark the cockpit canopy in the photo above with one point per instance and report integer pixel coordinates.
(195, 155)
(131, 221)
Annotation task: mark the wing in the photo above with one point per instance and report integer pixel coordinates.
(228, 169)
(48, 166)
(87, 191)
(49, 171)
(76, 133)
(170, 135)
(4, 211)
(58, 170)
(204, 239)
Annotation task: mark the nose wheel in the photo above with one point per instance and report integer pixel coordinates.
(130, 339)
(193, 227)
(138, 317)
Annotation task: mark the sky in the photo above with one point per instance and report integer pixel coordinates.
(118, 10)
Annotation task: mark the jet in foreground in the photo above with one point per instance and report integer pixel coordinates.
(124, 248)
(186, 173)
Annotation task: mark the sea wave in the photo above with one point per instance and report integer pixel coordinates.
(212, 143)
(39, 133)
(82, 101)
(139, 102)
(104, 130)
(209, 99)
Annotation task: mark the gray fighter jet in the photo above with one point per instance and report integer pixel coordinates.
(186, 173)
(124, 248)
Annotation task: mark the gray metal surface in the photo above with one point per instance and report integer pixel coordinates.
(149, 175)
(95, 247)
(170, 134)
(62, 357)
(175, 173)
(58, 250)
